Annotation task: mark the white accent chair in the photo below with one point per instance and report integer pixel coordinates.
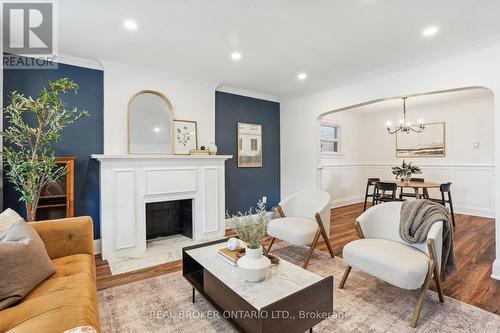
(304, 217)
(382, 253)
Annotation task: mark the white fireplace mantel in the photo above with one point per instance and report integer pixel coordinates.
(128, 182)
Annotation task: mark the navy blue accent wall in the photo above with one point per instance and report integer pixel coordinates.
(80, 139)
(245, 186)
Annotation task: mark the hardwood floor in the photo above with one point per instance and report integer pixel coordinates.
(474, 250)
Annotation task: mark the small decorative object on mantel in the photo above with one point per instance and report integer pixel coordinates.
(405, 171)
(251, 230)
(185, 136)
(212, 148)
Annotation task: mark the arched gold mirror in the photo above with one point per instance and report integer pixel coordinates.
(150, 119)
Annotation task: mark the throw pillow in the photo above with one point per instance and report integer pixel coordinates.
(24, 262)
(7, 218)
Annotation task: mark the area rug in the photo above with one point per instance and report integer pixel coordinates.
(163, 304)
(158, 252)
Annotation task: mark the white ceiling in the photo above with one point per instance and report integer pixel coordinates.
(420, 101)
(331, 40)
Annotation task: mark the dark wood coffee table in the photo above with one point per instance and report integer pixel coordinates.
(290, 299)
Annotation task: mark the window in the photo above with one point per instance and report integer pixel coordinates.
(330, 138)
(253, 144)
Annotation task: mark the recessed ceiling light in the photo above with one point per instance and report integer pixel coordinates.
(236, 55)
(429, 31)
(130, 25)
(301, 76)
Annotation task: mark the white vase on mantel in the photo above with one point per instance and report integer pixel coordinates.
(253, 266)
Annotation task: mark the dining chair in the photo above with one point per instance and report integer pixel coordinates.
(446, 188)
(304, 218)
(368, 193)
(413, 195)
(385, 192)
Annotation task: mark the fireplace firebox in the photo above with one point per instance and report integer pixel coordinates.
(169, 218)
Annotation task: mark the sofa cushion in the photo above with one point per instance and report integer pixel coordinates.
(66, 300)
(391, 261)
(295, 230)
(7, 218)
(24, 262)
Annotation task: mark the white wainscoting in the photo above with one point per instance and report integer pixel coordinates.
(473, 190)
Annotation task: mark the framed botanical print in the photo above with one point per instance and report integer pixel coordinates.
(249, 145)
(185, 136)
(429, 143)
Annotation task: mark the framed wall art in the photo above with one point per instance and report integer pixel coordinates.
(185, 136)
(429, 143)
(249, 145)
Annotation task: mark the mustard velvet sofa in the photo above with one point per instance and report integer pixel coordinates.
(67, 299)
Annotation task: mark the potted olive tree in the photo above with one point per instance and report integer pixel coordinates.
(34, 125)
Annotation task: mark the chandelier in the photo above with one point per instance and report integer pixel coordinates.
(406, 126)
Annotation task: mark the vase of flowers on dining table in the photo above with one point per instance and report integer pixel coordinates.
(405, 171)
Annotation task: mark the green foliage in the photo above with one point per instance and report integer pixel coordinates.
(406, 169)
(34, 125)
(251, 229)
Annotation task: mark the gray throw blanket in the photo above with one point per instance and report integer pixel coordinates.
(417, 218)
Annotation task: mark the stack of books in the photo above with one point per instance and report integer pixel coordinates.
(230, 256)
(199, 152)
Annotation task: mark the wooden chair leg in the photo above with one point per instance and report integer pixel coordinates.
(324, 234)
(344, 277)
(437, 281)
(328, 245)
(366, 196)
(421, 295)
(311, 250)
(270, 244)
(452, 213)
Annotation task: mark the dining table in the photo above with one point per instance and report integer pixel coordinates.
(416, 186)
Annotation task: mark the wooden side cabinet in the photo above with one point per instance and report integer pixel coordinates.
(57, 198)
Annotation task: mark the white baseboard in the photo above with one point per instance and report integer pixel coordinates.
(496, 270)
(347, 201)
(475, 211)
(97, 246)
(466, 210)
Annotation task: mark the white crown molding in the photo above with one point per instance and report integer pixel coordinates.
(170, 77)
(493, 41)
(80, 62)
(248, 93)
